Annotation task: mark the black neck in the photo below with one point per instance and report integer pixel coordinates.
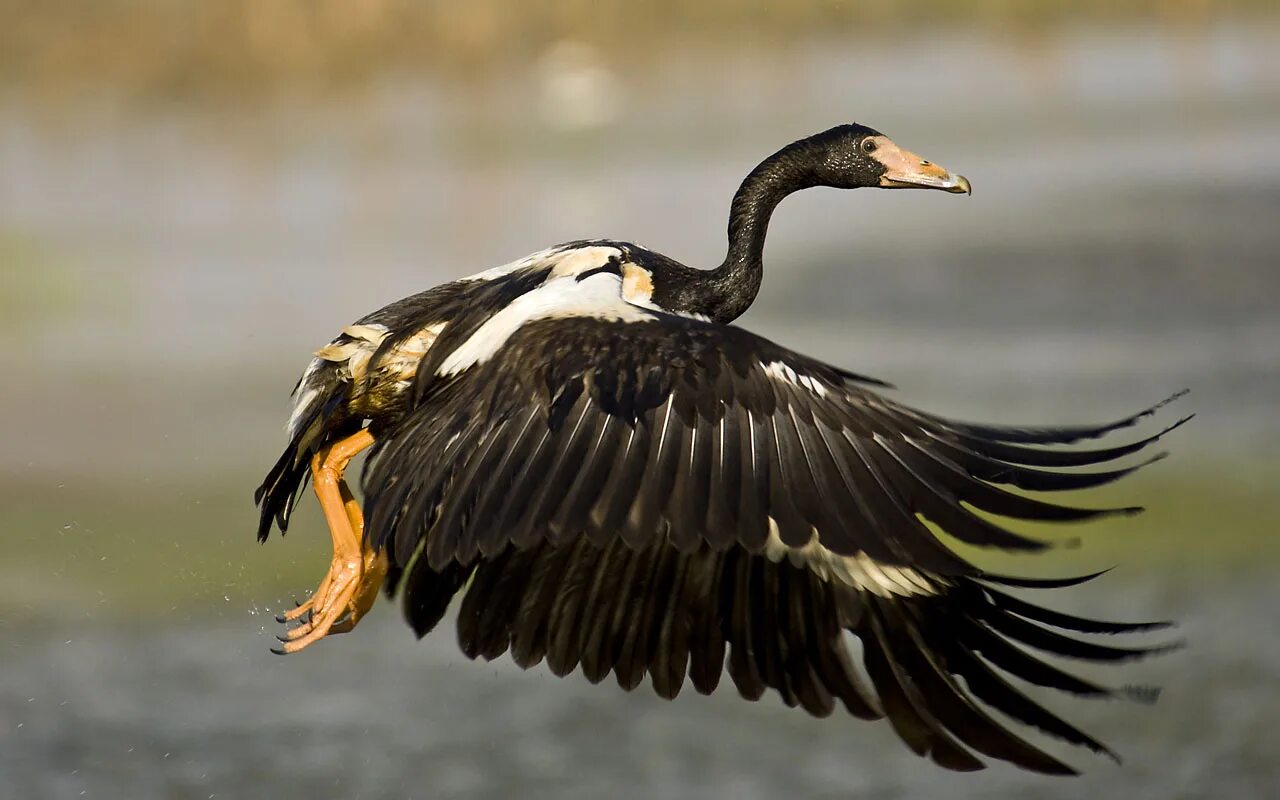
(732, 287)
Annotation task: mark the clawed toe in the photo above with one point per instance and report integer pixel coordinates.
(336, 611)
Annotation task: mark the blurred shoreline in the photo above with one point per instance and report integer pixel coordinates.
(249, 51)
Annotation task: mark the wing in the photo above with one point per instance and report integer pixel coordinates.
(661, 428)
(637, 492)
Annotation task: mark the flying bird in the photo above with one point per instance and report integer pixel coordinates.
(618, 480)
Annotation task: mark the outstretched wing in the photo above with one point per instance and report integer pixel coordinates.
(633, 491)
(656, 428)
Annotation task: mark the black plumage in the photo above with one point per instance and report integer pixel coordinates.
(675, 614)
(823, 457)
(617, 481)
(841, 460)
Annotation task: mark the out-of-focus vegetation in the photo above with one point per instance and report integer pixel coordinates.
(33, 284)
(70, 51)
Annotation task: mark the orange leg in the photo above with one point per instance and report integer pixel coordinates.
(352, 509)
(375, 568)
(355, 574)
(338, 535)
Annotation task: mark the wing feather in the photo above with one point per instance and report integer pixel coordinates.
(651, 495)
(953, 706)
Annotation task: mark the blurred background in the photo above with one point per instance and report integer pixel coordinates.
(194, 196)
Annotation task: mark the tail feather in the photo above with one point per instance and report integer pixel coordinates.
(316, 418)
(275, 497)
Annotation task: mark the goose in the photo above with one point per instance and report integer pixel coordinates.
(617, 480)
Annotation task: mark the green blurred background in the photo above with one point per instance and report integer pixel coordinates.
(194, 196)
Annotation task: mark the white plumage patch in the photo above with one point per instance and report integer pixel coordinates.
(637, 285)
(402, 362)
(530, 260)
(304, 396)
(355, 354)
(858, 571)
(599, 296)
(782, 372)
(563, 261)
(301, 404)
(582, 259)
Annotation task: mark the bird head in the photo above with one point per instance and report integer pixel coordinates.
(853, 156)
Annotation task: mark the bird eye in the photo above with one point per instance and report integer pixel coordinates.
(869, 145)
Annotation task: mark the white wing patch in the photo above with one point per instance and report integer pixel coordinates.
(782, 372)
(599, 296)
(858, 571)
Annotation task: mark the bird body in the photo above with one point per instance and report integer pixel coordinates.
(365, 372)
(617, 478)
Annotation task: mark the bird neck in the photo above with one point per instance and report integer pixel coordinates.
(733, 286)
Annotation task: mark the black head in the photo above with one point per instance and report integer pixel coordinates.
(846, 157)
(853, 156)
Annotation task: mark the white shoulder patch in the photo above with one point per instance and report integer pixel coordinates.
(599, 296)
(578, 260)
(858, 571)
(637, 285)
